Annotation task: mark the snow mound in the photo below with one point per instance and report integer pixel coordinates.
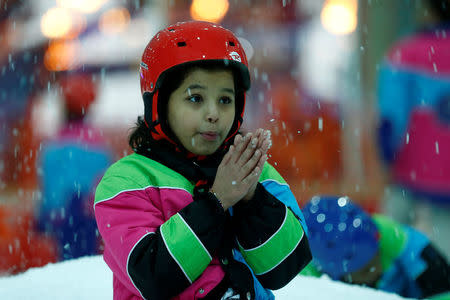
(90, 278)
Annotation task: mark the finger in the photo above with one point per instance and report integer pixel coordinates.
(248, 152)
(252, 177)
(258, 132)
(265, 146)
(262, 161)
(250, 165)
(241, 146)
(237, 139)
(242, 139)
(263, 135)
(260, 136)
(226, 158)
(267, 134)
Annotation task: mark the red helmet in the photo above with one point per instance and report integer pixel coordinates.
(192, 42)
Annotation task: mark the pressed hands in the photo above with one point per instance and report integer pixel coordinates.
(238, 173)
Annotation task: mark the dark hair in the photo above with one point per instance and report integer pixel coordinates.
(140, 138)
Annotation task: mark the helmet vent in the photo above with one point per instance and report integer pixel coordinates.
(171, 29)
(181, 44)
(231, 43)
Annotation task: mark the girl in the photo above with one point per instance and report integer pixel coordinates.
(196, 211)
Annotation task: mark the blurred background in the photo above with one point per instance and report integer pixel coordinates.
(322, 82)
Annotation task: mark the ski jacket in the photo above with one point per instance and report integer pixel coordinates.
(72, 164)
(411, 265)
(413, 100)
(165, 240)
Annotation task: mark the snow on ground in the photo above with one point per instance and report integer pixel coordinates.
(90, 278)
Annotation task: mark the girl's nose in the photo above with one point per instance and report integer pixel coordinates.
(212, 113)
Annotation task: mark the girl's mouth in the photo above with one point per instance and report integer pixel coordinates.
(209, 135)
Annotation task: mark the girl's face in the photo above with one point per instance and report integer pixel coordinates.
(201, 111)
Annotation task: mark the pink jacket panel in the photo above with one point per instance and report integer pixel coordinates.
(131, 215)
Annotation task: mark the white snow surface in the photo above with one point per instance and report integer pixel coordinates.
(90, 278)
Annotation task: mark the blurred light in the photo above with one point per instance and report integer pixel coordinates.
(209, 10)
(84, 6)
(78, 25)
(339, 16)
(61, 55)
(115, 20)
(56, 22)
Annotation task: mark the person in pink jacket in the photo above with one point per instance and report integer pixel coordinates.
(197, 212)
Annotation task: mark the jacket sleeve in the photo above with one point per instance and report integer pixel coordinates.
(271, 237)
(414, 268)
(436, 277)
(424, 264)
(153, 257)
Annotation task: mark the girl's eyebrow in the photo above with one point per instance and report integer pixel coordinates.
(198, 86)
(195, 86)
(231, 91)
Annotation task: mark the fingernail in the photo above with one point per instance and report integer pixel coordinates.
(254, 142)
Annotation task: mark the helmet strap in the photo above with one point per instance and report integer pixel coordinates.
(152, 121)
(148, 99)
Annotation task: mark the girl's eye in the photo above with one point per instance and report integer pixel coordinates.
(195, 98)
(225, 100)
